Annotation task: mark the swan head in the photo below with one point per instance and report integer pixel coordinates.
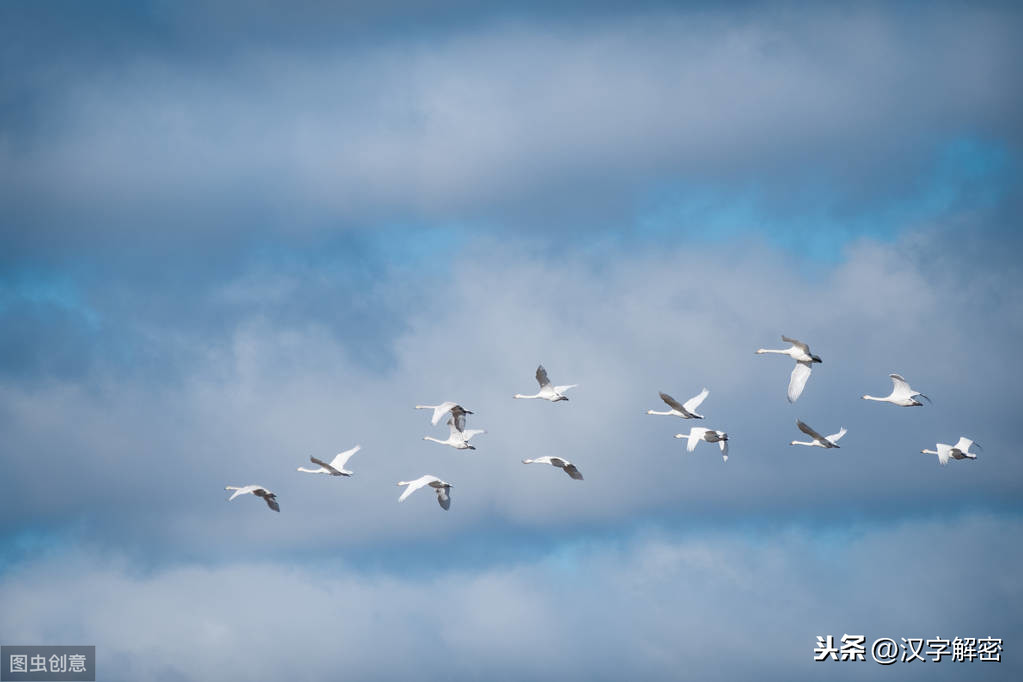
(817, 359)
(681, 435)
(793, 443)
(864, 397)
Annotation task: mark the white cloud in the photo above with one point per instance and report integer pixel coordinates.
(716, 605)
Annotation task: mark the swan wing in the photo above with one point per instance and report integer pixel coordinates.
(800, 373)
(694, 402)
(835, 437)
(541, 377)
(342, 458)
(808, 431)
(242, 491)
(798, 344)
(900, 387)
(440, 411)
(571, 470)
(329, 468)
(562, 389)
(672, 403)
(415, 485)
(695, 434)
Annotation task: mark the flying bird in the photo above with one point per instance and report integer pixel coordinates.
(818, 440)
(686, 410)
(456, 410)
(558, 462)
(443, 489)
(457, 437)
(698, 433)
(799, 352)
(258, 491)
(902, 394)
(336, 466)
(961, 450)
(547, 392)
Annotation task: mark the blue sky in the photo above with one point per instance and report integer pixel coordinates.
(235, 235)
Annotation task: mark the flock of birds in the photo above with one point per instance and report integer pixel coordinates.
(902, 395)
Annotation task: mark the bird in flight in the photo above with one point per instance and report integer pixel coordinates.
(800, 352)
(336, 467)
(686, 410)
(443, 489)
(547, 392)
(258, 491)
(569, 468)
(818, 440)
(902, 394)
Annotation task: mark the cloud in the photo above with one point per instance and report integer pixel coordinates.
(649, 604)
(251, 404)
(544, 120)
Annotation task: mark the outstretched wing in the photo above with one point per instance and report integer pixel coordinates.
(454, 429)
(723, 444)
(444, 497)
(672, 403)
(835, 437)
(798, 344)
(695, 401)
(323, 465)
(241, 491)
(466, 435)
(572, 471)
(944, 452)
(694, 437)
(458, 414)
(808, 431)
(415, 485)
(271, 501)
(440, 411)
(562, 389)
(900, 385)
(800, 373)
(342, 458)
(964, 444)
(541, 377)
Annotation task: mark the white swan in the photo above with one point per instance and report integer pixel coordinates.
(698, 433)
(961, 450)
(558, 462)
(439, 411)
(258, 491)
(800, 352)
(443, 489)
(818, 440)
(547, 392)
(902, 394)
(458, 437)
(686, 410)
(336, 466)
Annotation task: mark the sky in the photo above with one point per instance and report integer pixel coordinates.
(234, 235)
